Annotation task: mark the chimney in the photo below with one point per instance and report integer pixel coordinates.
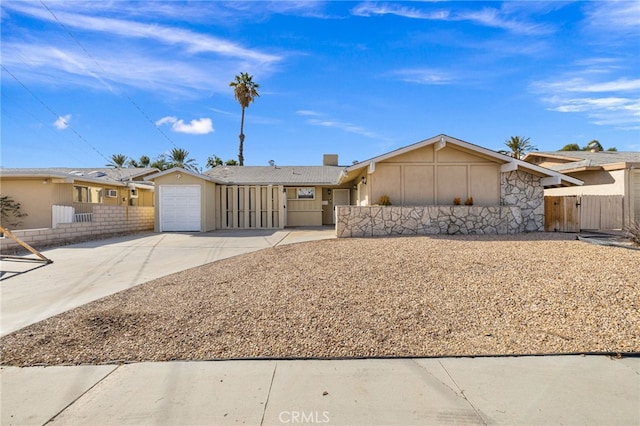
(330, 160)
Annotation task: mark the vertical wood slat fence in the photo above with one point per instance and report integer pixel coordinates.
(249, 207)
(572, 213)
(601, 212)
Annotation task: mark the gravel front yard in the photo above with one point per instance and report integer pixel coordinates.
(415, 296)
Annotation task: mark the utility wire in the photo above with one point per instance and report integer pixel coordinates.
(104, 73)
(57, 116)
(5, 111)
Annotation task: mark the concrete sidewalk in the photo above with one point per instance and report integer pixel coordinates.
(81, 273)
(574, 390)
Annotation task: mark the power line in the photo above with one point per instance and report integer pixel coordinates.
(56, 115)
(104, 73)
(5, 111)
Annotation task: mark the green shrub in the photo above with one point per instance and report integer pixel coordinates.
(10, 212)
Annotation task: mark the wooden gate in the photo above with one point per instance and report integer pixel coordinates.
(561, 214)
(572, 213)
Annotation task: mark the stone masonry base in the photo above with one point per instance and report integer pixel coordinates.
(368, 221)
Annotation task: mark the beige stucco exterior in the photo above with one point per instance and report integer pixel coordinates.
(427, 176)
(37, 195)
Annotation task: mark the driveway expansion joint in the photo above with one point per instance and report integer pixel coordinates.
(480, 416)
(81, 395)
(266, 403)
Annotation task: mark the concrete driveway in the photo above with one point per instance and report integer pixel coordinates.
(81, 273)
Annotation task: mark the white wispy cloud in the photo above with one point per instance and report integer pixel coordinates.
(580, 84)
(308, 113)
(192, 41)
(62, 122)
(200, 126)
(614, 16)
(317, 119)
(428, 76)
(369, 9)
(132, 68)
(605, 101)
(487, 16)
(149, 57)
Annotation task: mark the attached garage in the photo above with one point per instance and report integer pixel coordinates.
(180, 208)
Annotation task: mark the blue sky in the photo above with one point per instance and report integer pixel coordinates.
(84, 80)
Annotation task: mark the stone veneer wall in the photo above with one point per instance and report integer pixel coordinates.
(521, 210)
(524, 190)
(371, 221)
(107, 221)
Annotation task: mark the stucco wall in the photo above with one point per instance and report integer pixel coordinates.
(107, 221)
(595, 183)
(35, 198)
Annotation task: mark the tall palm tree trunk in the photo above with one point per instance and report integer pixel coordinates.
(241, 136)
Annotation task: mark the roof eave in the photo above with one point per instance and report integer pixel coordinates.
(185, 171)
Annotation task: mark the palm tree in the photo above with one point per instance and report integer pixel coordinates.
(143, 162)
(160, 163)
(519, 146)
(179, 157)
(117, 161)
(245, 91)
(214, 161)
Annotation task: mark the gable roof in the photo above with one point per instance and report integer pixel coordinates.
(183, 171)
(574, 161)
(276, 175)
(440, 141)
(111, 176)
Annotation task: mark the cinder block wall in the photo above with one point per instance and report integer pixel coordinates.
(107, 221)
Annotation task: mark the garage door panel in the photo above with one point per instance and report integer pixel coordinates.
(180, 208)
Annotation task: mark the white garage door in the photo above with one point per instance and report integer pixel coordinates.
(179, 208)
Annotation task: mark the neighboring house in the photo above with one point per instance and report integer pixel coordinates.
(76, 189)
(604, 173)
(421, 180)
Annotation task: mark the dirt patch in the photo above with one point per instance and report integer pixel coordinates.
(416, 296)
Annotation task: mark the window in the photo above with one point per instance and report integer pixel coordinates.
(87, 194)
(303, 193)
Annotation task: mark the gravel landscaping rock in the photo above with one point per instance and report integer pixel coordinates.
(412, 296)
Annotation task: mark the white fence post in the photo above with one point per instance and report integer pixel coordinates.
(61, 214)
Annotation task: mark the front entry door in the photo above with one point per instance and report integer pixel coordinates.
(327, 206)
